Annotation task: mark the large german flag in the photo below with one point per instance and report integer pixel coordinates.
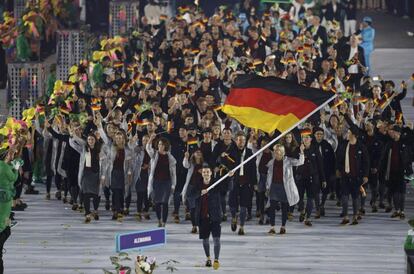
(271, 103)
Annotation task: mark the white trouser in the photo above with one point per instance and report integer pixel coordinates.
(350, 27)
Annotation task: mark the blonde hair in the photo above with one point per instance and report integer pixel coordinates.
(280, 147)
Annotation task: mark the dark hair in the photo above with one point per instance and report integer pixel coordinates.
(240, 133)
(205, 165)
(294, 144)
(193, 156)
(165, 142)
(92, 135)
(96, 148)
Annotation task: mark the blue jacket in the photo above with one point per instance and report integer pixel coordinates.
(368, 36)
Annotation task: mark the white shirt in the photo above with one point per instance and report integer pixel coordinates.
(352, 52)
(294, 10)
(88, 159)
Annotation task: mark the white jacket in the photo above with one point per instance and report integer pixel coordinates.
(288, 180)
(153, 163)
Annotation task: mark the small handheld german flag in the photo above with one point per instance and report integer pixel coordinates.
(209, 63)
(239, 42)
(291, 60)
(388, 94)
(144, 81)
(64, 110)
(172, 84)
(187, 70)
(186, 90)
(398, 117)
(170, 126)
(338, 103)
(380, 102)
(183, 9)
(141, 122)
(136, 76)
(362, 99)
(192, 141)
(118, 64)
(96, 100)
(195, 51)
(157, 76)
(96, 107)
(328, 80)
(305, 132)
(132, 67)
(257, 62)
(124, 86)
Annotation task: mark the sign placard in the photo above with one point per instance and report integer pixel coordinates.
(141, 239)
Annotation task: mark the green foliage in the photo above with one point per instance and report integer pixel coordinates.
(116, 262)
(409, 242)
(171, 265)
(23, 48)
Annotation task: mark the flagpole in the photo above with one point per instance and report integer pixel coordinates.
(271, 142)
(389, 100)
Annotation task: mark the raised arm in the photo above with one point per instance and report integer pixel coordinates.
(77, 143)
(148, 147)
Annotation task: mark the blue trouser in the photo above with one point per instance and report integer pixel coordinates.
(351, 186)
(181, 177)
(309, 186)
(397, 187)
(368, 49)
(272, 212)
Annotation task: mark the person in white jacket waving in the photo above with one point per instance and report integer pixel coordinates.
(280, 185)
(162, 177)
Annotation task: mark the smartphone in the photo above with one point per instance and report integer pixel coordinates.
(375, 78)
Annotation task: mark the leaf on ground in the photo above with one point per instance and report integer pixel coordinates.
(87, 261)
(125, 259)
(114, 259)
(65, 226)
